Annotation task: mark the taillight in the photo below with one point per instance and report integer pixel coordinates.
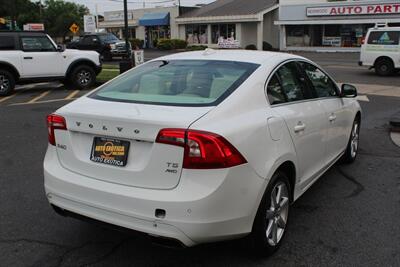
(203, 150)
(55, 122)
(363, 40)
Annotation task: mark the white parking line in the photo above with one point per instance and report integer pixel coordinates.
(72, 95)
(41, 102)
(33, 100)
(8, 97)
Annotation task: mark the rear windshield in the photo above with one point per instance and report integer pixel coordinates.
(384, 38)
(178, 82)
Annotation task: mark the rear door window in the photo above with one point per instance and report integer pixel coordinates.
(178, 82)
(7, 42)
(323, 85)
(275, 91)
(384, 38)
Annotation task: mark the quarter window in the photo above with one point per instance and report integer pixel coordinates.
(37, 44)
(7, 43)
(275, 92)
(323, 85)
(291, 82)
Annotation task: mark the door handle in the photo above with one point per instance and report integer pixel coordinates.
(332, 117)
(299, 127)
(28, 57)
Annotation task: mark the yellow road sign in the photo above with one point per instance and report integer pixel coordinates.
(74, 28)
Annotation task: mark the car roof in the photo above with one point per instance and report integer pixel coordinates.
(26, 33)
(385, 29)
(249, 56)
(97, 33)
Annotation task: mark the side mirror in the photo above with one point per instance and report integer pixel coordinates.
(348, 90)
(60, 48)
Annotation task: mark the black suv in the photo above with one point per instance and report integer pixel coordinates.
(106, 44)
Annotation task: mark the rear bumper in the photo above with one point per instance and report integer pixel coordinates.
(205, 206)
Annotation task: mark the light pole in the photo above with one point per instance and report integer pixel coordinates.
(126, 64)
(128, 51)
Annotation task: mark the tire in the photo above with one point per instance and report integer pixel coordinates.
(351, 152)
(83, 77)
(66, 82)
(271, 221)
(384, 67)
(7, 83)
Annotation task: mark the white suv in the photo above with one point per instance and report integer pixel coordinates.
(381, 50)
(34, 57)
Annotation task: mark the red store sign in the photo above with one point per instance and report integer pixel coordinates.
(348, 10)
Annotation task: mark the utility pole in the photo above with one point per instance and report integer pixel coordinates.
(127, 63)
(97, 17)
(126, 29)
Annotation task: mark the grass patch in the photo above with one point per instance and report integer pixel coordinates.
(109, 66)
(107, 74)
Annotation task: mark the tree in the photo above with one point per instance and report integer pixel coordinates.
(59, 16)
(21, 11)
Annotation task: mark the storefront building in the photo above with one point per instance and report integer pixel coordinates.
(148, 24)
(335, 25)
(231, 24)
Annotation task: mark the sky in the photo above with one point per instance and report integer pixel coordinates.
(110, 5)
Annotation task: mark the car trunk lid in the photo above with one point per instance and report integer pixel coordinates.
(148, 165)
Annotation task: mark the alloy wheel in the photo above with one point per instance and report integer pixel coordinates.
(384, 68)
(277, 214)
(354, 140)
(4, 83)
(84, 77)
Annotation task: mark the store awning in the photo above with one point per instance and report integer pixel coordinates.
(154, 19)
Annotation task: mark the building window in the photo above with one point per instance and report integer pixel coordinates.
(222, 31)
(344, 35)
(196, 34)
(336, 35)
(131, 33)
(299, 35)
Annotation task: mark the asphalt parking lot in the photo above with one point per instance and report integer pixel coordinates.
(350, 217)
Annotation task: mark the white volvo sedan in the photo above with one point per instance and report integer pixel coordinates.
(202, 146)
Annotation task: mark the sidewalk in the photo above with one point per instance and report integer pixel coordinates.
(375, 89)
